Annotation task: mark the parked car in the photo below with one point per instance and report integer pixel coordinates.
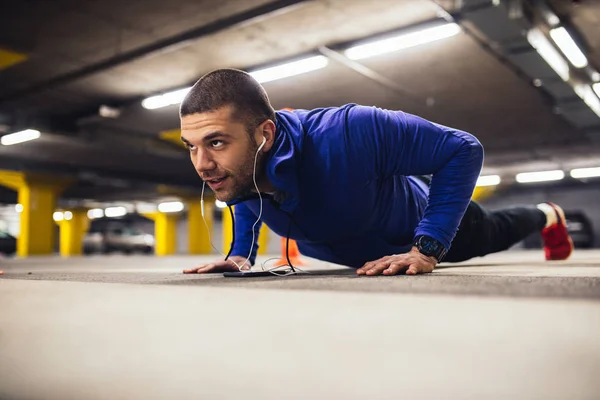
(8, 244)
(126, 240)
(580, 228)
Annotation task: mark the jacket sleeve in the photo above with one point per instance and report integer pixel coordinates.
(403, 144)
(244, 220)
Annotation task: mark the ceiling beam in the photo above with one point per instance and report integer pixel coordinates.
(161, 46)
(185, 178)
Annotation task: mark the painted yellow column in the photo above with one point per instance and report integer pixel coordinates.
(483, 192)
(227, 230)
(36, 234)
(37, 194)
(198, 237)
(263, 239)
(72, 232)
(8, 58)
(165, 232)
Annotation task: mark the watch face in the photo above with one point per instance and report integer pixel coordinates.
(429, 246)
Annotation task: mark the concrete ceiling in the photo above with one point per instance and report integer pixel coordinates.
(85, 54)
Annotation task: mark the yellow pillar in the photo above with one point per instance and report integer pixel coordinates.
(263, 239)
(9, 58)
(483, 192)
(72, 231)
(198, 237)
(165, 232)
(37, 194)
(227, 230)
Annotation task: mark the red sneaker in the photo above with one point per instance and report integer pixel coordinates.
(558, 244)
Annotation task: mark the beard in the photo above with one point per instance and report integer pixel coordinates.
(242, 180)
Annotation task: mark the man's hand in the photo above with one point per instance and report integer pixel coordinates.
(220, 266)
(413, 262)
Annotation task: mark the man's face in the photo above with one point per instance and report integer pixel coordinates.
(222, 152)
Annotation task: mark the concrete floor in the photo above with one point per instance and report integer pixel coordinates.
(505, 326)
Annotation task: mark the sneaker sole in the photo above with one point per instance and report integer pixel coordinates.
(561, 214)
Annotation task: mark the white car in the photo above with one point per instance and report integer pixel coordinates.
(126, 240)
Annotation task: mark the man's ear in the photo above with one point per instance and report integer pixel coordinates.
(268, 131)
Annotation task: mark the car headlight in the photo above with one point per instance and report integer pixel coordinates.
(149, 240)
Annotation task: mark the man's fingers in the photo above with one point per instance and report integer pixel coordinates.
(394, 269)
(397, 264)
(378, 268)
(413, 270)
(363, 270)
(206, 268)
(383, 264)
(201, 269)
(370, 265)
(195, 270)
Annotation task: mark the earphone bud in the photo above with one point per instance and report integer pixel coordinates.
(262, 144)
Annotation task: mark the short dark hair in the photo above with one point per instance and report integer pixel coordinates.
(232, 87)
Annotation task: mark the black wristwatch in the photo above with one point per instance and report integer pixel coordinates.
(430, 247)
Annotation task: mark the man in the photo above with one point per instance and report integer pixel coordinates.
(349, 184)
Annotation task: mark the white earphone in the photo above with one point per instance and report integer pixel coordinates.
(262, 144)
(264, 141)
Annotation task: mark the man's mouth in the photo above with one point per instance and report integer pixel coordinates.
(215, 183)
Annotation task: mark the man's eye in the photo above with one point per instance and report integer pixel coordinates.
(190, 147)
(216, 143)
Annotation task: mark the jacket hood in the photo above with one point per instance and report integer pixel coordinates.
(284, 160)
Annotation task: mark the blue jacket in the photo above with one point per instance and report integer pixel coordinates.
(346, 175)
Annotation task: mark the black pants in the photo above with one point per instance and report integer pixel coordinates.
(483, 232)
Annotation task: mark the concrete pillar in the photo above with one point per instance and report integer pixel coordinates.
(73, 227)
(165, 232)
(483, 192)
(37, 194)
(263, 239)
(198, 236)
(227, 229)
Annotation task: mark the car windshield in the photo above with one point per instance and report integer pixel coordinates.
(5, 235)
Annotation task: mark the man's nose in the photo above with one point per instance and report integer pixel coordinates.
(204, 162)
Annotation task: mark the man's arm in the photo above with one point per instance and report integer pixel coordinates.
(244, 219)
(403, 144)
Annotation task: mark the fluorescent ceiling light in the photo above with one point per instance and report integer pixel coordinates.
(585, 172)
(541, 176)
(290, 69)
(58, 216)
(143, 208)
(402, 41)
(596, 87)
(111, 212)
(167, 99)
(95, 213)
(587, 95)
(567, 45)
(20, 137)
(553, 20)
(488, 180)
(220, 204)
(173, 206)
(262, 76)
(542, 45)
